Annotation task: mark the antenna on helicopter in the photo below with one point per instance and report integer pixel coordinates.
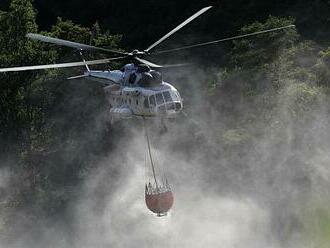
(83, 59)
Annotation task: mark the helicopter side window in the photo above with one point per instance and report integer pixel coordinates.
(159, 99)
(146, 103)
(152, 100)
(167, 96)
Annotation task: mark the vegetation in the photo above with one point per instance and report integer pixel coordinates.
(32, 140)
(51, 143)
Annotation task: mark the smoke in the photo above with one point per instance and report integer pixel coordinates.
(243, 185)
(4, 177)
(200, 216)
(245, 172)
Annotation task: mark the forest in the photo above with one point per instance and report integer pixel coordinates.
(253, 142)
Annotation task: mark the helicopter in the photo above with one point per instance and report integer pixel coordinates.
(137, 89)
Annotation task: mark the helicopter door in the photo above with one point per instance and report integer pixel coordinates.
(152, 103)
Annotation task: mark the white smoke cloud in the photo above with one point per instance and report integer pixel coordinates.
(199, 218)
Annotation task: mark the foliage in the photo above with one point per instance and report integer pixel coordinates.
(300, 99)
(322, 68)
(20, 109)
(253, 52)
(295, 63)
(55, 140)
(279, 78)
(317, 226)
(31, 135)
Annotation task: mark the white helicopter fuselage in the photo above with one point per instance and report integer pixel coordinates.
(129, 98)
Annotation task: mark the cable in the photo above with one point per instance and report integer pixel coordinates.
(150, 155)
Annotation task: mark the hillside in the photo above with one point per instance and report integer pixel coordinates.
(248, 160)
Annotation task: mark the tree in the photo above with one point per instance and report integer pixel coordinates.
(20, 114)
(262, 49)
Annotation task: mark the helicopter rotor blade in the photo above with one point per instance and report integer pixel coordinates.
(153, 65)
(178, 27)
(148, 63)
(176, 65)
(63, 65)
(222, 40)
(72, 44)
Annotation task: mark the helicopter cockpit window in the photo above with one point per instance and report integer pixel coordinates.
(167, 96)
(159, 99)
(152, 100)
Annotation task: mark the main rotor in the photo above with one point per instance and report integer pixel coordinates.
(136, 55)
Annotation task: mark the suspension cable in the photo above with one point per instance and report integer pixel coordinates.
(150, 155)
